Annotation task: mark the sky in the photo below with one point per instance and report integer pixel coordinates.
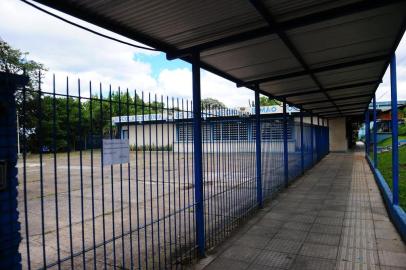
(69, 51)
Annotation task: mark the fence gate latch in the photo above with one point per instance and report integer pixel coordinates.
(3, 175)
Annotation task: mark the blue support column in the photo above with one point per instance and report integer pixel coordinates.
(312, 138)
(285, 145)
(10, 237)
(367, 133)
(258, 148)
(375, 135)
(301, 141)
(318, 142)
(394, 114)
(197, 148)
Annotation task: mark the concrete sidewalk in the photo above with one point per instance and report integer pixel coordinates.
(331, 218)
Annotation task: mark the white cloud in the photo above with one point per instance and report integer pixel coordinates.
(69, 51)
(383, 92)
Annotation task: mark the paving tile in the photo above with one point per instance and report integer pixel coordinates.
(322, 228)
(389, 258)
(252, 241)
(291, 235)
(319, 251)
(240, 253)
(395, 245)
(358, 255)
(329, 221)
(275, 259)
(300, 226)
(321, 238)
(311, 263)
(225, 263)
(342, 265)
(283, 245)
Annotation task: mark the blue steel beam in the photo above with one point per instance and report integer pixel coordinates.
(197, 147)
(285, 145)
(367, 133)
(329, 89)
(301, 141)
(258, 148)
(308, 19)
(395, 150)
(375, 136)
(267, 16)
(312, 137)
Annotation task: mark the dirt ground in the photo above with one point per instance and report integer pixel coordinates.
(136, 215)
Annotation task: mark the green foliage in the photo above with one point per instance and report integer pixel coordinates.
(385, 167)
(266, 101)
(388, 141)
(212, 104)
(60, 122)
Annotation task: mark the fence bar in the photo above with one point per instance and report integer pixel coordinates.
(311, 138)
(375, 131)
(285, 144)
(301, 141)
(395, 151)
(258, 148)
(197, 147)
(367, 133)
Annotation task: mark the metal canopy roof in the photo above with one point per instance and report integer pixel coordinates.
(322, 55)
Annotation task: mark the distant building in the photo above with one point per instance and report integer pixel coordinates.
(175, 130)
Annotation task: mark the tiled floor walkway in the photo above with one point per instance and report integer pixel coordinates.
(331, 218)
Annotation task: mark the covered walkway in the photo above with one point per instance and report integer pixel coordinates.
(331, 218)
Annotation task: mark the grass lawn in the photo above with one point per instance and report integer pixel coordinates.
(385, 167)
(388, 141)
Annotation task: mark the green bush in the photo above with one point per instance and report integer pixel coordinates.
(152, 147)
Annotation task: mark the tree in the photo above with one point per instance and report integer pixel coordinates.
(212, 104)
(266, 101)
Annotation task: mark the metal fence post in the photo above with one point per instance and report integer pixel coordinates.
(197, 147)
(312, 138)
(375, 136)
(258, 148)
(394, 114)
(367, 132)
(318, 141)
(285, 145)
(10, 237)
(301, 140)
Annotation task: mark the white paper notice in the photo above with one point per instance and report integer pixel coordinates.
(116, 151)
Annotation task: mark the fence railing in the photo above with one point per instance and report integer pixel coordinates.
(133, 205)
(388, 159)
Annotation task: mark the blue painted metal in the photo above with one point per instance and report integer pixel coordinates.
(375, 136)
(311, 138)
(394, 114)
(396, 213)
(302, 150)
(367, 133)
(285, 145)
(9, 226)
(258, 148)
(188, 215)
(197, 147)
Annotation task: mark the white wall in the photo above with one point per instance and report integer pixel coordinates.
(338, 135)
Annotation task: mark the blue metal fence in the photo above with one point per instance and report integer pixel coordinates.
(87, 207)
(389, 186)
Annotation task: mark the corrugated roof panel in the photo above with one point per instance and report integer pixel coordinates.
(322, 41)
(287, 9)
(287, 86)
(181, 23)
(348, 38)
(349, 75)
(253, 59)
